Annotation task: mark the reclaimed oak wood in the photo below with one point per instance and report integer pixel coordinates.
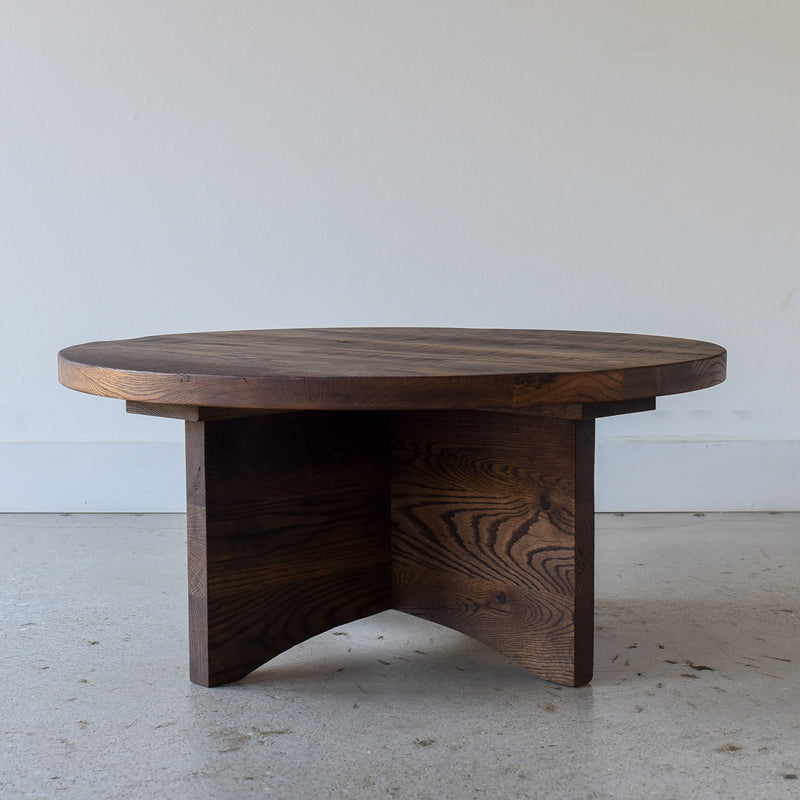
(287, 521)
(492, 533)
(390, 368)
(335, 473)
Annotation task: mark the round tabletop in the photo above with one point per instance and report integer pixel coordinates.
(390, 368)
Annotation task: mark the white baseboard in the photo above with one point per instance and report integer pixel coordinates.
(637, 474)
(632, 474)
(92, 476)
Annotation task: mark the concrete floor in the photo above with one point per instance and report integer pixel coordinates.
(696, 690)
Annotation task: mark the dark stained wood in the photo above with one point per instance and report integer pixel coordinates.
(192, 413)
(611, 409)
(390, 368)
(492, 533)
(288, 519)
(586, 410)
(335, 473)
(570, 411)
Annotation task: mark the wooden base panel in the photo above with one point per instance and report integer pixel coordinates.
(302, 521)
(287, 520)
(493, 531)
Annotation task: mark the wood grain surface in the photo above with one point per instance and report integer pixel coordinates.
(390, 368)
(480, 521)
(288, 520)
(335, 473)
(493, 530)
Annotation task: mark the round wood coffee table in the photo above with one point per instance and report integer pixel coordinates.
(336, 473)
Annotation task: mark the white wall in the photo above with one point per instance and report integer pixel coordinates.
(182, 166)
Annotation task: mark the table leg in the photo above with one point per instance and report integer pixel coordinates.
(493, 533)
(287, 533)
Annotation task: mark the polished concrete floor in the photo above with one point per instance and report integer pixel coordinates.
(696, 691)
